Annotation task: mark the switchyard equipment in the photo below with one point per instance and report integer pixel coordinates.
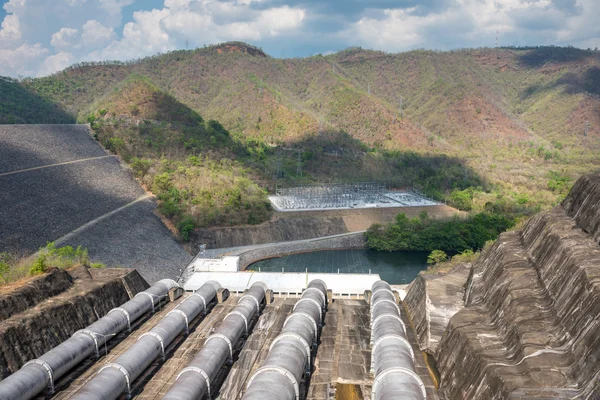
(197, 380)
(345, 196)
(290, 356)
(331, 195)
(392, 357)
(117, 377)
(43, 372)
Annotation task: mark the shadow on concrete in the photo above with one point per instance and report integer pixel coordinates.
(43, 205)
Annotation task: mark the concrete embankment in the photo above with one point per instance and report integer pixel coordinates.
(58, 184)
(527, 326)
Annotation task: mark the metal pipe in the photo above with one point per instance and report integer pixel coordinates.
(115, 378)
(195, 381)
(44, 371)
(392, 357)
(290, 355)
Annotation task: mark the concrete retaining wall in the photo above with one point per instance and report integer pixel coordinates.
(345, 242)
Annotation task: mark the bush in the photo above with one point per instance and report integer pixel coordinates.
(436, 257)
(467, 256)
(162, 182)
(5, 259)
(114, 144)
(557, 182)
(140, 166)
(170, 208)
(39, 265)
(186, 226)
(461, 199)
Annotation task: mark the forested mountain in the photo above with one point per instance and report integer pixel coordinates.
(484, 128)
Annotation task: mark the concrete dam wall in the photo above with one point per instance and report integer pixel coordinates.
(526, 325)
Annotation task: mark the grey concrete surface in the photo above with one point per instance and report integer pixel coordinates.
(45, 204)
(51, 144)
(135, 238)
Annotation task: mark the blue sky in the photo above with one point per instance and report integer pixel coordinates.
(40, 37)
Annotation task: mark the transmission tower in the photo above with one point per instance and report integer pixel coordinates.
(400, 106)
(278, 165)
(497, 38)
(369, 88)
(187, 44)
(299, 167)
(587, 128)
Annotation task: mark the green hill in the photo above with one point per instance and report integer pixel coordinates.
(502, 128)
(21, 106)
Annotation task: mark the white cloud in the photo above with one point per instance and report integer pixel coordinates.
(474, 23)
(144, 36)
(96, 35)
(247, 2)
(22, 60)
(10, 30)
(199, 22)
(177, 4)
(13, 6)
(39, 36)
(278, 20)
(114, 7)
(403, 29)
(56, 63)
(64, 38)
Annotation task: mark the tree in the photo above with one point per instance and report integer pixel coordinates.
(436, 256)
(462, 199)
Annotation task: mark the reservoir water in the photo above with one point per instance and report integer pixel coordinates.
(396, 268)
